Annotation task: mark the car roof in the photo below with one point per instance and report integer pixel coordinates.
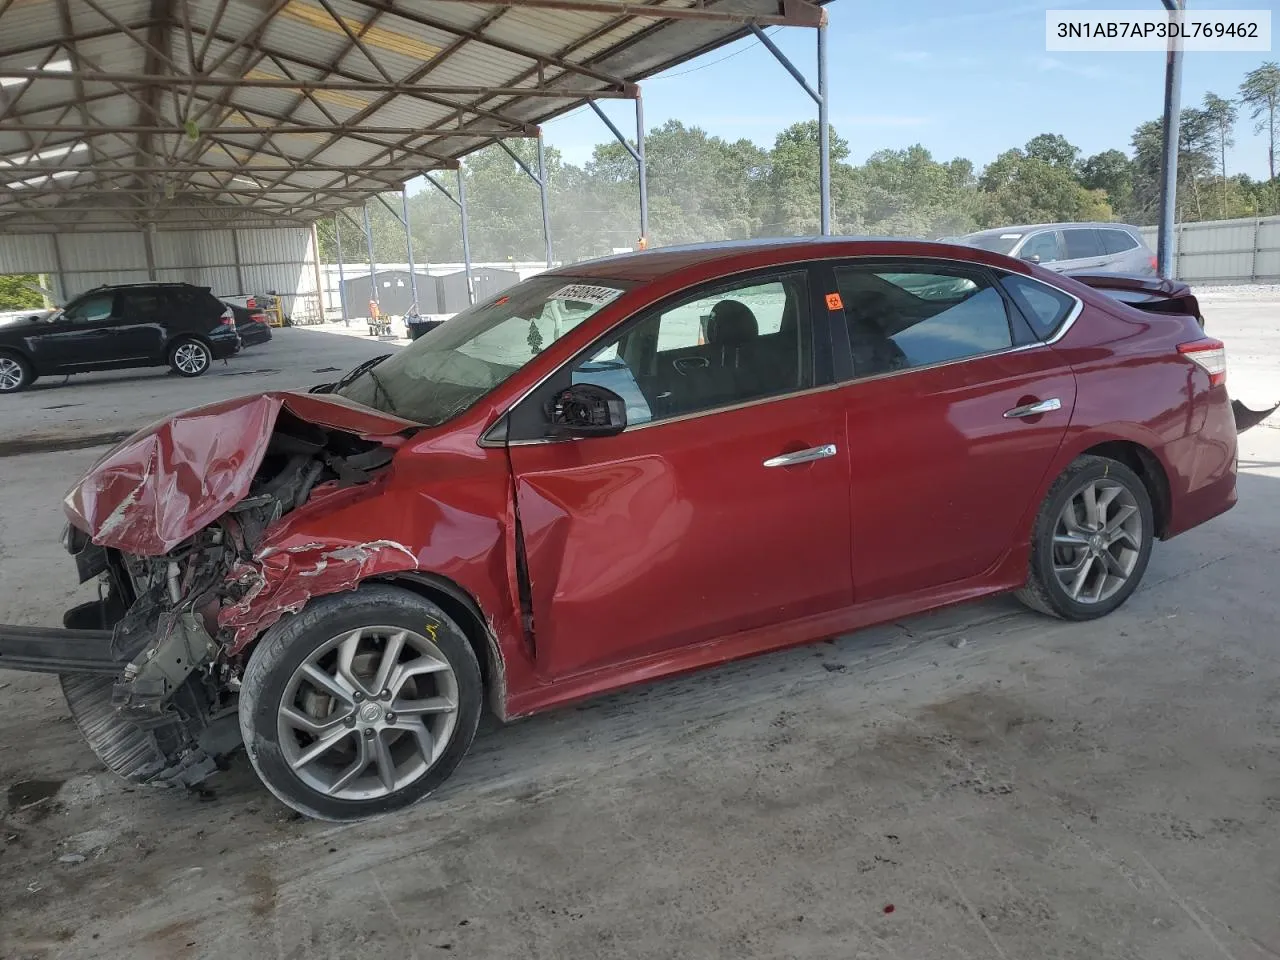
(643, 265)
(1028, 227)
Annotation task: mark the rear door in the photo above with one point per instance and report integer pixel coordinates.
(139, 333)
(1084, 250)
(723, 506)
(954, 412)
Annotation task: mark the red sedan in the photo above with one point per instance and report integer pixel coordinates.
(613, 472)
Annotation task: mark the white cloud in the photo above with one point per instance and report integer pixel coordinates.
(1052, 64)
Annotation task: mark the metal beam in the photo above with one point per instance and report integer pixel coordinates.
(342, 279)
(248, 170)
(1169, 158)
(184, 80)
(542, 197)
(529, 131)
(408, 247)
(373, 267)
(466, 237)
(791, 13)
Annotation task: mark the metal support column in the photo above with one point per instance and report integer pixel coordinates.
(819, 97)
(408, 247)
(643, 171)
(373, 267)
(64, 294)
(466, 239)
(824, 134)
(542, 195)
(1169, 161)
(540, 178)
(315, 246)
(149, 249)
(239, 261)
(637, 154)
(342, 279)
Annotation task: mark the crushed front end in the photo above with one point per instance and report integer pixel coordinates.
(175, 528)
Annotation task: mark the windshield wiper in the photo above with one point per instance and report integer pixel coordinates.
(353, 373)
(380, 388)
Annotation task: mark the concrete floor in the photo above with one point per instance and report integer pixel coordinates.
(1040, 789)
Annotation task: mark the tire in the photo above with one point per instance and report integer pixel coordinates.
(284, 713)
(1079, 570)
(15, 373)
(189, 357)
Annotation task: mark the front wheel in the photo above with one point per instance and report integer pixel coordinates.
(15, 373)
(361, 704)
(189, 357)
(1091, 541)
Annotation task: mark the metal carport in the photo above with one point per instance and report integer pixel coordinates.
(193, 124)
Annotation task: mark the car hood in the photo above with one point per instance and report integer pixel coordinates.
(175, 477)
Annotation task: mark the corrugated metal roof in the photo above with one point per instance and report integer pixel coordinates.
(249, 112)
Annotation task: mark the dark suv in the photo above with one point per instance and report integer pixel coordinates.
(138, 325)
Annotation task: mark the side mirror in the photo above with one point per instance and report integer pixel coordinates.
(586, 410)
(1031, 258)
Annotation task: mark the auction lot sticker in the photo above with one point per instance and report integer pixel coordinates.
(587, 293)
(1243, 31)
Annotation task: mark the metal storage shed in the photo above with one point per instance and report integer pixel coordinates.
(486, 282)
(395, 293)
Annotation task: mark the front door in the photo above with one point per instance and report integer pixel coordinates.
(80, 336)
(723, 506)
(955, 413)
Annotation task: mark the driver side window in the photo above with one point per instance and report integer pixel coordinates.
(92, 308)
(743, 341)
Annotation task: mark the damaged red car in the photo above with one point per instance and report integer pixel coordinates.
(614, 472)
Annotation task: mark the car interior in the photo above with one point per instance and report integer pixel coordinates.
(725, 358)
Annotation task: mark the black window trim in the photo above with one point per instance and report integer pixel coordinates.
(504, 432)
(840, 335)
(1030, 234)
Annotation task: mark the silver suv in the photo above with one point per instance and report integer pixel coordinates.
(1071, 247)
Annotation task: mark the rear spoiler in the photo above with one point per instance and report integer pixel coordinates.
(1153, 294)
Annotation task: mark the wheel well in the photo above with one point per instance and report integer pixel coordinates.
(465, 612)
(1144, 463)
(15, 352)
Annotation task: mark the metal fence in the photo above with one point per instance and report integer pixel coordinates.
(1225, 251)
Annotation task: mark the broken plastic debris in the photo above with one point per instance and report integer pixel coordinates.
(72, 858)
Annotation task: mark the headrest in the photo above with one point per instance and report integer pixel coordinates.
(731, 322)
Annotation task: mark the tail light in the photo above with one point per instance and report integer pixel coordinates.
(1155, 265)
(1210, 355)
(228, 318)
(258, 317)
(250, 302)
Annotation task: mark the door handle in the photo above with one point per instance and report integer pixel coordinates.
(802, 456)
(1034, 409)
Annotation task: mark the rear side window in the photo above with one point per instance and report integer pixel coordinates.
(1045, 307)
(141, 304)
(1082, 243)
(902, 317)
(1117, 241)
(194, 304)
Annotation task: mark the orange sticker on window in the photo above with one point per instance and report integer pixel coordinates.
(834, 302)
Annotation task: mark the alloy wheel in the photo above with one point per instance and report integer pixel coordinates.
(190, 358)
(1097, 541)
(368, 712)
(11, 374)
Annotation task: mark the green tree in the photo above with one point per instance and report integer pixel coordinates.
(1112, 172)
(16, 294)
(1025, 189)
(1260, 92)
(1221, 116)
(1054, 149)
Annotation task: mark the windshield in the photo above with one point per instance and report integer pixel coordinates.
(448, 369)
(995, 242)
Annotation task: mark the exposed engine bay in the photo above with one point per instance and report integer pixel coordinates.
(160, 707)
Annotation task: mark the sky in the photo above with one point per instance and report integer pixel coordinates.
(971, 83)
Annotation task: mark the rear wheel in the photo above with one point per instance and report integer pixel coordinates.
(189, 357)
(1091, 542)
(361, 704)
(15, 373)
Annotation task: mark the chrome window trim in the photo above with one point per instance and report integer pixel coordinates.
(1061, 332)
